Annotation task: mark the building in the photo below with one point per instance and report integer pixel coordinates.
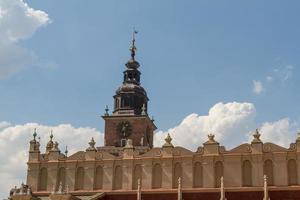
(129, 167)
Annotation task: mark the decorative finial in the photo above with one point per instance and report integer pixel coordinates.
(179, 193)
(106, 111)
(139, 192)
(133, 48)
(34, 134)
(143, 110)
(92, 145)
(211, 138)
(222, 189)
(66, 151)
(266, 193)
(168, 140)
(256, 136)
(51, 135)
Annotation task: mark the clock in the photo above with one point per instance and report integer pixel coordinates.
(124, 129)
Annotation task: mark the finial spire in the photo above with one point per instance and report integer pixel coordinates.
(34, 134)
(133, 48)
(106, 111)
(51, 135)
(66, 151)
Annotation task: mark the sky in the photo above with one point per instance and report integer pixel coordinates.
(208, 67)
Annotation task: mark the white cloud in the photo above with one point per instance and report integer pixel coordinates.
(18, 21)
(281, 132)
(269, 78)
(257, 87)
(229, 122)
(232, 124)
(14, 144)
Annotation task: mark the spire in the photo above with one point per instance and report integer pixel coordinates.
(106, 111)
(34, 134)
(132, 47)
(66, 151)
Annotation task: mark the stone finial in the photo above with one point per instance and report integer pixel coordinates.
(60, 188)
(211, 139)
(66, 151)
(298, 136)
(28, 191)
(168, 140)
(34, 134)
(128, 144)
(179, 192)
(256, 136)
(139, 192)
(50, 143)
(55, 147)
(222, 190)
(143, 110)
(92, 145)
(106, 111)
(266, 193)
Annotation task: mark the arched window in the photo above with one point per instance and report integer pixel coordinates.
(98, 177)
(218, 173)
(61, 178)
(43, 176)
(197, 175)
(156, 176)
(247, 173)
(177, 173)
(292, 172)
(137, 174)
(79, 182)
(117, 183)
(268, 171)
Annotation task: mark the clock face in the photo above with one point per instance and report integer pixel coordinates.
(124, 129)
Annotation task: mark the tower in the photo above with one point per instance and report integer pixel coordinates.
(129, 119)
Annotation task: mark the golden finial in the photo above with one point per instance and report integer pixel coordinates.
(133, 48)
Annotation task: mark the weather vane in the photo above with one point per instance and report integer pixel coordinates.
(133, 48)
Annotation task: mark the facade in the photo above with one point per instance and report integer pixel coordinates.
(129, 167)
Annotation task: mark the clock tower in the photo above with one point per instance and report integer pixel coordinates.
(129, 119)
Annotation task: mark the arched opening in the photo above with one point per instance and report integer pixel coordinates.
(218, 173)
(137, 174)
(99, 177)
(61, 178)
(247, 173)
(177, 173)
(117, 183)
(268, 171)
(156, 176)
(197, 175)
(292, 172)
(79, 182)
(43, 176)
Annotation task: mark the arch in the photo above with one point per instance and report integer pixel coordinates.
(247, 173)
(268, 171)
(137, 174)
(61, 177)
(79, 182)
(292, 172)
(43, 176)
(218, 173)
(117, 183)
(156, 176)
(197, 175)
(177, 173)
(98, 177)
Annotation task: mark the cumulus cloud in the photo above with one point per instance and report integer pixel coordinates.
(281, 132)
(232, 123)
(14, 144)
(18, 22)
(257, 87)
(229, 123)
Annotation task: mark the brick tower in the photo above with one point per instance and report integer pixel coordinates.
(130, 119)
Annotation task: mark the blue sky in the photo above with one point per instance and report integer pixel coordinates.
(221, 67)
(193, 54)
